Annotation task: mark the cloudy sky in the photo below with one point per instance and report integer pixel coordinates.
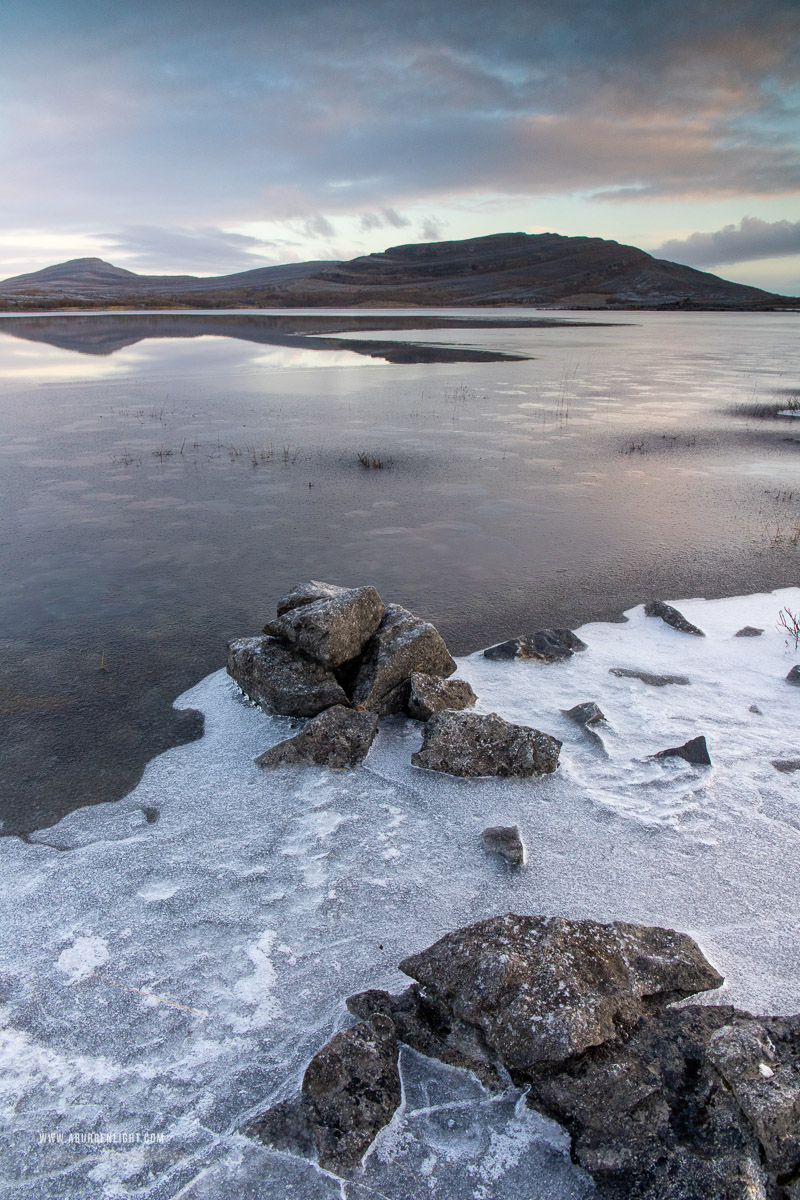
(206, 136)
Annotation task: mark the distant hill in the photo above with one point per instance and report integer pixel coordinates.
(501, 269)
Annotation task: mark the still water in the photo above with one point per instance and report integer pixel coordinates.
(165, 479)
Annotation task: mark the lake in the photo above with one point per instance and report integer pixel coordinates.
(166, 478)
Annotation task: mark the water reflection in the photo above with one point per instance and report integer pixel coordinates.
(159, 497)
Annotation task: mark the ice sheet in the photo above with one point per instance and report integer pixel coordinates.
(164, 981)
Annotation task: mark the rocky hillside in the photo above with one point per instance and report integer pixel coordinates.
(502, 269)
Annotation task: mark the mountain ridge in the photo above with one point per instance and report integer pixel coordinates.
(549, 270)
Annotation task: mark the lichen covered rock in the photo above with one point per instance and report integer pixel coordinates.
(402, 644)
(332, 629)
(430, 693)
(468, 744)
(339, 737)
(281, 680)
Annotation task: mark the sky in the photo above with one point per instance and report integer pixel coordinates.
(211, 136)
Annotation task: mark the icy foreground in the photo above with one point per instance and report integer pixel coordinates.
(165, 980)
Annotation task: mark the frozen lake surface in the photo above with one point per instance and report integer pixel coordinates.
(172, 961)
(165, 479)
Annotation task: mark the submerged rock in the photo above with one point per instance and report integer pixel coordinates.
(401, 645)
(648, 678)
(786, 765)
(547, 645)
(430, 693)
(671, 616)
(332, 629)
(748, 631)
(468, 744)
(694, 751)
(349, 1092)
(339, 737)
(506, 841)
(281, 680)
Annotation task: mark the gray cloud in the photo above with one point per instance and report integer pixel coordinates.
(204, 113)
(751, 239)
(431, 230)
(203, 250)
(318, 226)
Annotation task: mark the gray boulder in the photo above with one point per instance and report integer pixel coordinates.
(339, 737)
(543, 989)
(794, 676)
(429, 693)
(786, 765)
(648, 678)
(307, 593)
(281, 680)
(506, 841)
(748, 631)
(694, 751)
(401, 645)
(468, 744)
(349, 1092)
(671, 616)
(547, 645)
(661, 1103)
(333, 629)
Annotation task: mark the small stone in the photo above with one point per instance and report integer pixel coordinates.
(748, 631)
(794, 677)
(646, 677)
(402, 644)
(786, 764)
(280, 680)
(468, 744)
(754, 709)
(694, 751)
(331, 630)
(584, 714)
(151, 814)
(505, 840)
(547, 645)
(429, 693)
(339, 737)
(671, 616)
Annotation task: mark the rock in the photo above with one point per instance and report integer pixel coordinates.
(333, 629)
(402, 644)
(671, 616)
(760, 1062)
(694, 751)
(646, 677)
(748, 631)
(467, 744)
(151, 814)
(281, 680)
(651, 1118)
(754, 709)
(584, 714)
(543, 989)
(349, 1092)
(428, 1027)
(429, 693)
(794, 676)
(307, 593)
(505, 840)
(339, 737)
(786, 764)
(661, 1103)
(547, 645)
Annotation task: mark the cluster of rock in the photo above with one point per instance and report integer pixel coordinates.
(661, 1103)
(342, 658)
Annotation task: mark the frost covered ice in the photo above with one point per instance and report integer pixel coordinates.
(165, 981)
